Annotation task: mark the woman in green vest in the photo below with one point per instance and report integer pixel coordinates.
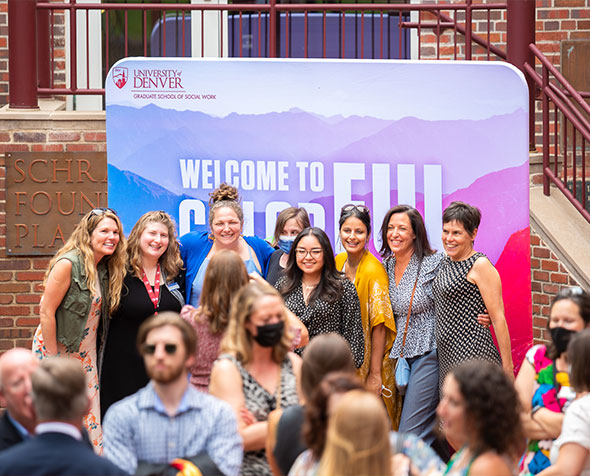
(82, 288)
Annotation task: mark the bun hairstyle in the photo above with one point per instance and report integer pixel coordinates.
(225, 196)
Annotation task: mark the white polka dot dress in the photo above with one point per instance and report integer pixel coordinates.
(459, 337)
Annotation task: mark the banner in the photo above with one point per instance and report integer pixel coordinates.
(321, 134)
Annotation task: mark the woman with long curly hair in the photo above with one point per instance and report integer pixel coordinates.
(82, 288)
(319, 295)
(480, 410)
(255, 372)
(153, 265)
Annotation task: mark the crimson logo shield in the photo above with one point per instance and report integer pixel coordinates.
(120, 76)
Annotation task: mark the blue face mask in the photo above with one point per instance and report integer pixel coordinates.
(285, 243)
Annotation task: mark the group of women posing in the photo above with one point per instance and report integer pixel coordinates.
(100, 287)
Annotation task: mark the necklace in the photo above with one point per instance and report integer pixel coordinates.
(309, 288)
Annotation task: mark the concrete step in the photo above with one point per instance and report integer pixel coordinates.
(564, 230)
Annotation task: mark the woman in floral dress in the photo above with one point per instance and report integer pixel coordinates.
(82, 287)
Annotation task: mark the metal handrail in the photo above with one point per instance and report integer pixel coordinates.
(272, 8)
(559, 91)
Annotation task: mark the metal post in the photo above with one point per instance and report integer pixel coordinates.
(546, 132)
(468, 29)
(43, 49)
(273, 19)
(520, 32)
(22, 62)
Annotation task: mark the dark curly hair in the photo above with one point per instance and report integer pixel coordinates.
(315, 426)
(492, 408)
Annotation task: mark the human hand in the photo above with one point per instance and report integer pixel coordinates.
(373, 383)
(247, 417)
(484, 319)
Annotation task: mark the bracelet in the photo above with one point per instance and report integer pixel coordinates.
(535, 409)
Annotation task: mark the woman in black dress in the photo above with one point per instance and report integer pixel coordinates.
(319, 295)
(149, 287)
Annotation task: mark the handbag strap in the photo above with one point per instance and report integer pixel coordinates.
(410, 310)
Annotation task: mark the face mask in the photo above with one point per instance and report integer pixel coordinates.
(561, 337)
(270, 334)
(285, 243)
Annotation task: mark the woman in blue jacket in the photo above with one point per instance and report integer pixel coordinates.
(226, 221)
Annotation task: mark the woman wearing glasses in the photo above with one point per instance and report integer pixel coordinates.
(255, 372)
(371, 283)
(82, 287)
(543, 383)
(153, 264)
(316, 292)
(226, 221)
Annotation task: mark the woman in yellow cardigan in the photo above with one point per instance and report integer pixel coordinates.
(372, 285)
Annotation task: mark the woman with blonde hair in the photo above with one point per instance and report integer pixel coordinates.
(256, 372)
(357, 442)
(82, 288)
(153, 265)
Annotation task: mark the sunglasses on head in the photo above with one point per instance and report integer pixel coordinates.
(150, 349)
(102, 210)
(573, 291)
(351, 206)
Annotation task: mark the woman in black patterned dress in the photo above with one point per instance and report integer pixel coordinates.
(255, 372)
(319, 295)
(467, 283)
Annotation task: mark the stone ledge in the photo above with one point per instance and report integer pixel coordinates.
(564, 230)
(49, 110)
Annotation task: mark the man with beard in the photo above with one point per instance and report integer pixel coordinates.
(169, 419)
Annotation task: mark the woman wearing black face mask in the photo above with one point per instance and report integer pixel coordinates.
(255, 372)
(543, 382)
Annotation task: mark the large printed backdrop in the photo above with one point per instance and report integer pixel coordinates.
(321, 134)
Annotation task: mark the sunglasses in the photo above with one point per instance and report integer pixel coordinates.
(101, 211)
(569, 292)
(150, 349)
(351, 206)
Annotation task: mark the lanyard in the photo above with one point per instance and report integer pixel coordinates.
(155, 293)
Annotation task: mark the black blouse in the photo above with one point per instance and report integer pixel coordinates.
(123, 372)
(342, 316)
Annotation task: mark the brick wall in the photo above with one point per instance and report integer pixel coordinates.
(21, 277)
(548, 277)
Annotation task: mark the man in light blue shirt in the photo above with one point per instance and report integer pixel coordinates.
(169, 418)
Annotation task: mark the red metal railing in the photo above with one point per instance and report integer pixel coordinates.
(279, 41)
(566, 133)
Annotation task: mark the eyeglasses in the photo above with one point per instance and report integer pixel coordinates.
(351, 206)
(101, 211)
(314, 253)
(150, 349)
